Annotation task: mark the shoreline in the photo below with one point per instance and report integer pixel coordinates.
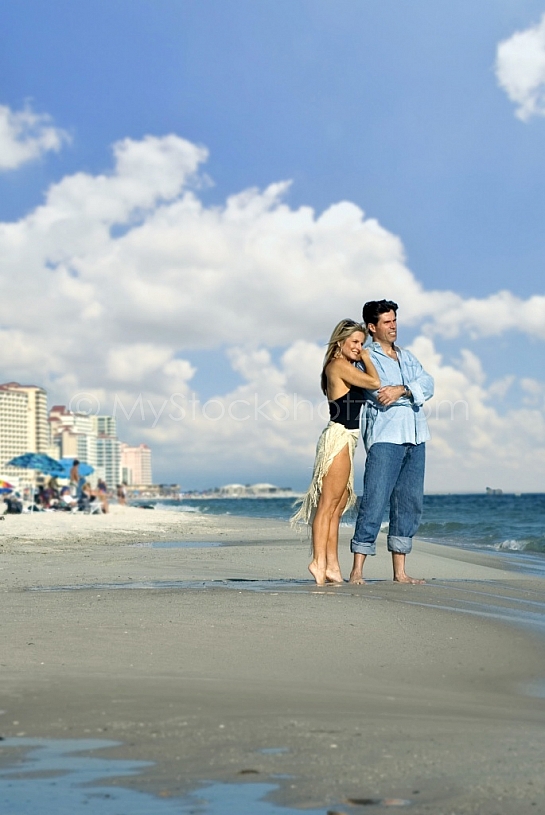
(373, 691)
(50, 532)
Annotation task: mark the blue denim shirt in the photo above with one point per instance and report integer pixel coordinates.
(404, 422)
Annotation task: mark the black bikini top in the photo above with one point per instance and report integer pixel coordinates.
(346, 409)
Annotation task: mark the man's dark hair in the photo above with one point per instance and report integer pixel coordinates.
(374, 308)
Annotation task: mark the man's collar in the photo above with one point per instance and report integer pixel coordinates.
(376, 346)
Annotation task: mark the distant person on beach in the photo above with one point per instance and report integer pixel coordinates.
(331, 491)
(102, 491)
(74, 477)
(66, 499)
(53, 487)
(85, 497)
(395, 431)
(121, 494)
(14, 504)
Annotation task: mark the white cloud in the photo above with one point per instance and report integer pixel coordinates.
(520, 69)
(481, 435)
(486, 317)
(26, 135)
(110, 284)
(302, 362)
(134, 363)
(532, 392)
(264, 429)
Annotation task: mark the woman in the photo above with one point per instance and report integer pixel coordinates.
(331, 491)
(121, 494)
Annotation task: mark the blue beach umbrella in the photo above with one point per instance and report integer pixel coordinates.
(66, 464)
(38, 461)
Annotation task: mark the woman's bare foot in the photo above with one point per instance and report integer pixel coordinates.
(318, 573)
(334, 576)
(356, 578)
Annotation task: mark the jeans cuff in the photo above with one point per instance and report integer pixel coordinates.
(363, 548)
(400, 545)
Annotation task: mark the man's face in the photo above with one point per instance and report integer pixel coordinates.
(385, 330)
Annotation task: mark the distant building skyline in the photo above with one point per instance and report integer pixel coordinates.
(27, 427)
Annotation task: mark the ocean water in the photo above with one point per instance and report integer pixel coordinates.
(277, 508)
(498, 523)
(503, 523)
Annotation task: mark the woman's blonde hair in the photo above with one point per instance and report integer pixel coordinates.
(340, 333)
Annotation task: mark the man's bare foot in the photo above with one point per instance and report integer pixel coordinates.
(400, 576)
(356, 575)
(334, 576)
(404, 578)
(356, 579)
(317, 572)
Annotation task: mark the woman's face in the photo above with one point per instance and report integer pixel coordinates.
(351, 347)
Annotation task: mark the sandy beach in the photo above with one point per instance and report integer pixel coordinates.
(224, 662)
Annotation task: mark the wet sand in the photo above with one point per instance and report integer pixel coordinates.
(217, 654)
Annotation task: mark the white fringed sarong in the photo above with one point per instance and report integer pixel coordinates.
(333, 439)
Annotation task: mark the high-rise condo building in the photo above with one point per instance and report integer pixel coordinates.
(136, 464)
(73, 435)
(13, 431)
(108, 448)
(107, 425)
(23, 425)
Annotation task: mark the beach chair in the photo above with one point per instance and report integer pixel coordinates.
(95, 507)
(89, 506)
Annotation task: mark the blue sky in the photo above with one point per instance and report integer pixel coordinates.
(391, 105)
(388, 104)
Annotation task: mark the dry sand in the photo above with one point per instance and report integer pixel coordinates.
(375, 692)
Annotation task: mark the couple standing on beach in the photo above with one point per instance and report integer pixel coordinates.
(391, 386)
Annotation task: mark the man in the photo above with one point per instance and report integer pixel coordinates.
(394, 430)
(74, 478)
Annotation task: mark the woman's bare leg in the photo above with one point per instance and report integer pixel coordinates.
(333, 569)
(333, 489)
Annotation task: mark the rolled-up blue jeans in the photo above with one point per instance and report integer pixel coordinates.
(394, 474)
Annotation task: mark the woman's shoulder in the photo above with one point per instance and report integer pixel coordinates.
(331, 368)
(339, 364)
(337, 369)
